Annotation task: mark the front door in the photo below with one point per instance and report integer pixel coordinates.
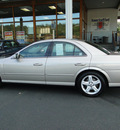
(30, 67)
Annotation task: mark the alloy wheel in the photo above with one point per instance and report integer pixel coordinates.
(91, 84)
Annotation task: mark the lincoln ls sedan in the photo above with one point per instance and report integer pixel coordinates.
(63, 62)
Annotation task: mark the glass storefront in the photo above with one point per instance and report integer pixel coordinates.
(76, 20)
(76, 28)
(61, 28)
(37, 21)
(23, 16)
(43, 30)
(61, 11)
(76, 9)
(44, 19)
(6, 23)
(45, 12)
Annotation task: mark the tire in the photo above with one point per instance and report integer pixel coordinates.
(91, 84)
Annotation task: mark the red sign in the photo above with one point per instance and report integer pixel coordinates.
(100, 25)
(8, 35)
(20, 36)
(20, 33)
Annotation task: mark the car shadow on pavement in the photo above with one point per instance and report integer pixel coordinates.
(110, 92)
(41, 88)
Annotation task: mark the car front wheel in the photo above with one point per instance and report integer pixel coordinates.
(91, 84)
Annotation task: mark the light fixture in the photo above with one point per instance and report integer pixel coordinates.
(25, 9)
(103, 2)
(60, 12)
(52, 7)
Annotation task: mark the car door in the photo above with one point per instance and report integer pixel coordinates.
(65, 62)
(30, 67)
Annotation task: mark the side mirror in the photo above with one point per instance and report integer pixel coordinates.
(17, 56)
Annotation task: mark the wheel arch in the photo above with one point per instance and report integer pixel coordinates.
(101, 72)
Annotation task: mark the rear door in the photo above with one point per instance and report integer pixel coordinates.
(65, 62)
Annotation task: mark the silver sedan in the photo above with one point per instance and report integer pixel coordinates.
(63, 62)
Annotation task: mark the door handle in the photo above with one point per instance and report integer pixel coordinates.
(37, 64)
(80, 64)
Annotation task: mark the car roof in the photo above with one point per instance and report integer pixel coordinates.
(91, 49)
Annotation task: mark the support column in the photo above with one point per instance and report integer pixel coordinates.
(81, 6)
(14, 36)
(69, 26)
(34, 20)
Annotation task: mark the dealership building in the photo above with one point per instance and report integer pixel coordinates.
(27, 21)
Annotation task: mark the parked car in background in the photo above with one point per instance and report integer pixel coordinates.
(63, 62)
(9, 47)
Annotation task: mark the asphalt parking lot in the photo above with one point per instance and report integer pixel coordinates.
(35, 107)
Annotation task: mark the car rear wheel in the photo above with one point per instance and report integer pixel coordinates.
(91, 84)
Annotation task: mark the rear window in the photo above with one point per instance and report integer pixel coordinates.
(99, 47)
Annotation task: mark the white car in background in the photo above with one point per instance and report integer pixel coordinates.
(63, 62)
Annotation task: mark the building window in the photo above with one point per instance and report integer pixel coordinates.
(76, 28)
(76, 20)
(61, 10)
(61, 28)
(43, 29)
(6, 24)
(20, 25)
(61, 21)
(45, 16)
(76, 9)
(24, 24)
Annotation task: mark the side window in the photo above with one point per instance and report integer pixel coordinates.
(7, 44)
(14, 44)
(78, 52)
(37, 50)
(69, 49)
(66, 49)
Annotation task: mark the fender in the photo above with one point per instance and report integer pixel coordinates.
(94, 69)
(81, 70)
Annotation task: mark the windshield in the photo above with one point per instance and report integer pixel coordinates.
(99, 47)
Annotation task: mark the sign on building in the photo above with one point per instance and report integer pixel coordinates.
(100, 24)
(20, 36)
(53, 25)
(45, 30)
(8, 35)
